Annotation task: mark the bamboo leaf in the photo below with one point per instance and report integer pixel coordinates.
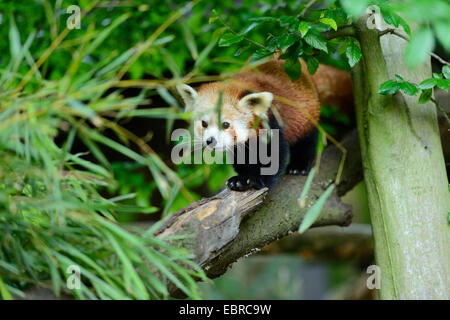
(306, 187)
(189, 40)
(4, 292)
(314, 212)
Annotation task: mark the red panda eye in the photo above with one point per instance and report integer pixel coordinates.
(225, 125)
(204, 124)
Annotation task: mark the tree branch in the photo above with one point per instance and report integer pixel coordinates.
(231, 224)
(345, 31)
(307, 6)
(221, 229)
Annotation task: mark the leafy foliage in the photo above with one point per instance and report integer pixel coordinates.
(303, 33)
(296, 36)
(60, 207)
(353, 53)
(52, 214)
(440, 80)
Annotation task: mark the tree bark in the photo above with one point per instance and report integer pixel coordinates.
(221, 229)
(232, 224)
(404, 171)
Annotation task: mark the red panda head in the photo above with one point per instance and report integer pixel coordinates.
(238, 113)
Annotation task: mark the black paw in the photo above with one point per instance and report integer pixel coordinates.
(297, 172)
(243, 183)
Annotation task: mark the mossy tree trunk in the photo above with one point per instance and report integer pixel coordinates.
(404, 171)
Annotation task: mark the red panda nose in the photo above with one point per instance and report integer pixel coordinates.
(210, 140)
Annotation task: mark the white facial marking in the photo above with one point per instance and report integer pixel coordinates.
(225, 140)
(222, 138)
(241, 130)
(210, 132)
(238, 131)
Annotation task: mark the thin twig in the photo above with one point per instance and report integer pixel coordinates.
(400, 35)
(434, 55)
(441, 109)
(308, 5)
(236, 33)
(438, 106)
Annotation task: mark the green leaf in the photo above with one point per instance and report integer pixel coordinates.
(314, 213)
(394, 19)
(240, 50)
(249, 28)
(286, 40)
(189, 40)
(212, 43)
(390, 17)
(4, 293)
(312, 64)
(316, 40)
(406, 27)
(116, 63)
(230, 38)
(389, 88)
(353, 53)
(293, 68)
(105, 33)
(427, 84)
(425, 96)
(306, 187)
(398, 78)
(263, 19)
(261, 53)
(446, 72)
(272, 44)
(128, 266)
(14, 39)
(307, 49)
(289, 22)
(169, 61)
(444, 84)
(408, 88)
(214, 16)
(422, 42)
(285, 21)
(330, 22)
(303, 27)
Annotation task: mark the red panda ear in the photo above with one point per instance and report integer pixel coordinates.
(259, 102)
(188, 94)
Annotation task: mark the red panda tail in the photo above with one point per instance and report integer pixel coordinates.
(334, 88)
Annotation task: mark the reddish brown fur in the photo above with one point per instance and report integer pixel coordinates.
(294, 100)
(334, 87)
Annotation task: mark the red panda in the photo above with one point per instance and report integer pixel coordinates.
(266, 94)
